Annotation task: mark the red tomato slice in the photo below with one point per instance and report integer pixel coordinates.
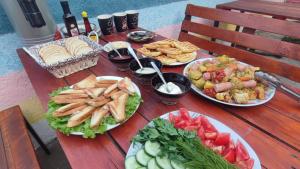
(241, 152)
(191, 127)
(229, 155)
(172, 118)
(248, 164)
(181, 124)
(209, 143)
(200, 133)
(197, 121)
(218, 149)
(211, 135)
(222, 139)
(184, 114)
(208, 127)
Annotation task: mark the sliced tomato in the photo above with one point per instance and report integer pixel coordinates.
(218, 149)
(172, 118)
(191, 128)
(181, 124)
(184, 114)
(208, 127)
(229, 155)
(197, 121)
(209, 143)
(241, 152)
(200, 133)
(222, 139)
(248, 164)
(210, 135)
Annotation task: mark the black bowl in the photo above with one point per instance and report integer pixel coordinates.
(122, 64)
(134, 66)
(180, 80)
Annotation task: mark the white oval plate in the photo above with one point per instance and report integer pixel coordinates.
(116, 44)
(133, 149)
(109, 126)
(269, 93)
(177, 63)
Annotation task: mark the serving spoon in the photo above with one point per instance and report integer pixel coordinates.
(161, 76)
(131, 51)
(113, 48)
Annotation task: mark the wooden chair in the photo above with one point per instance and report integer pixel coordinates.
(288, 50)
(16, 150)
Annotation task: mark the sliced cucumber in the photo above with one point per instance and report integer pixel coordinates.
(152, 148)
(177, 165)
(142, 157)
(152, 164)
(131, 163)
(163, 162)
(142, 168)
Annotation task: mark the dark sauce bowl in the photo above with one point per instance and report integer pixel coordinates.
(121, 63)
(178, 79)
(146, 62)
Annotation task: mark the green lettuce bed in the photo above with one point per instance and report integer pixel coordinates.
(60, 123)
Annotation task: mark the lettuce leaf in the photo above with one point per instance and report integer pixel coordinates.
(60, 123)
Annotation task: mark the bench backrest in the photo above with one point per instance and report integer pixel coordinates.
(191, 29)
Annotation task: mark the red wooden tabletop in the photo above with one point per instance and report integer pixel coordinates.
(276, 9)
(272, 129)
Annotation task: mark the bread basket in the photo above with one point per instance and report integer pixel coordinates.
(70, 65)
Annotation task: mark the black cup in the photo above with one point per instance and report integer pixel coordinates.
(132, 19)
(106, 24)
(120, 19)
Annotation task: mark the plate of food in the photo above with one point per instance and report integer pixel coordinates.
(183, 139)
(170, 52)
(140, 36)
(228, 81)
(116, 45)
(93, 105)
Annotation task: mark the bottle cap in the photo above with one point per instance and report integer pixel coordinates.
(84, 14)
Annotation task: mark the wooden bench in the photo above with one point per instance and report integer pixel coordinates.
(190, 30)
(16, 149)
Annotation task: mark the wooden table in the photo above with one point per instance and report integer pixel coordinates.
(275, 9)
(273, 129)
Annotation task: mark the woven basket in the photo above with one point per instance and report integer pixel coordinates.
(70, 65)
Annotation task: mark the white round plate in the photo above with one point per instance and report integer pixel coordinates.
(218, 125)
(269, 93)
(116, 44)
(178, 63)
(137, 90)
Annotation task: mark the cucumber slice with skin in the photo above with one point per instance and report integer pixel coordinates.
(177, 165)
(152, 164)
(131, 163)
(152, 148)
(142, 157)
(163, 162)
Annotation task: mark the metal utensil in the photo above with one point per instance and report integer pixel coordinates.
(113, 48)
(270, 79)
(131, 51)
(161, 76)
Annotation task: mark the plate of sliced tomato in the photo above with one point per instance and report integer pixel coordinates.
(217, 136)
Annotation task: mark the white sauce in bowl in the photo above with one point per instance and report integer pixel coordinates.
(145, 70)
(174, 89)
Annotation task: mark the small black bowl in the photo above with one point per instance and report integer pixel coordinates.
(122, 64)
(146, 62)
(180, 80)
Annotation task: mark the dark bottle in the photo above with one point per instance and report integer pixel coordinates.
(86, 22)
(69, 19)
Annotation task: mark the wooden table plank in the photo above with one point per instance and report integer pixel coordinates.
(276, 9)
(18, 148)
